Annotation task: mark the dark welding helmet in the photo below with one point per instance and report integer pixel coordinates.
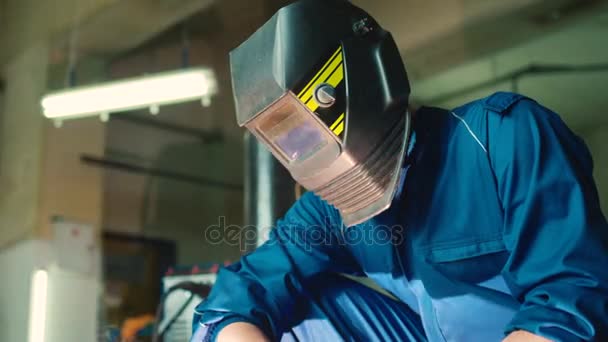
(324, 87)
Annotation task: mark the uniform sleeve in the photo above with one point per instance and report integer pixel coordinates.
(554, 229)
(265, 288)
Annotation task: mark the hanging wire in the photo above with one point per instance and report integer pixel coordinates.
(71, 75)
(185, 46)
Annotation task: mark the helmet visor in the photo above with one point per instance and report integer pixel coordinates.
(295, 135)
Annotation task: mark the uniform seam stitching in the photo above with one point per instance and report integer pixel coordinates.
(470, 131)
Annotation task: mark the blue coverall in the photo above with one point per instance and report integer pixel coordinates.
(497, 227)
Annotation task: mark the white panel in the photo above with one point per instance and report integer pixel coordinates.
(75, 247)
(71, 298)
(17, 264)
(72, 307)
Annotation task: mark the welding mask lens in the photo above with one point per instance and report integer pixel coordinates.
(301, 141)
(293, 131)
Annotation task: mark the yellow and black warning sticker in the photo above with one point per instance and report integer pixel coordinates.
(329, 70)
(338, 126)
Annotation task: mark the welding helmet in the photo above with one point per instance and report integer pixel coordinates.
(324, 87)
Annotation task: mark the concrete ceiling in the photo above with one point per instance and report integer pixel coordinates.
(578, 96)
(104, 32)
(95, 27)
(451, 45)
(3, 25)
(435, 35)
(447, 44)
(438, 38)
(232, 20)
(2, 12)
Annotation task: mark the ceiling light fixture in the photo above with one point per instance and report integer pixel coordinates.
(150, 91)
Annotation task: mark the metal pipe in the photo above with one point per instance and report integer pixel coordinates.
(269, 191)
(516, 75)
(207, 137)
(126, 167)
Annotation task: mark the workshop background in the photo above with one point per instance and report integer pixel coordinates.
(99, 218)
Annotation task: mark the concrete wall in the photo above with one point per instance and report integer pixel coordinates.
(167, 208)
(597, 140)
(69, 188)
(22, 144)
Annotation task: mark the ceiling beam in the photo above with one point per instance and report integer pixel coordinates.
(100, 27)
(128, 24)
(28, 22)
(489, 35)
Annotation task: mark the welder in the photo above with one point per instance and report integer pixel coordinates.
(480, 223)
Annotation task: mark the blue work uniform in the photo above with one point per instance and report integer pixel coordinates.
(497, 228)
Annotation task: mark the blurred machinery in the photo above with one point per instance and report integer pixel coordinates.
(182, 293)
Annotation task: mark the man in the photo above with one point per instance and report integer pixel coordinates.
(482, 223)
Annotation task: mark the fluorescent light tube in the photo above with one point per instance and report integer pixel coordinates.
(129, 94)
(38, 302)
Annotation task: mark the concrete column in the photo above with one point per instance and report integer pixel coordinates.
(22, 144)
(21, 153)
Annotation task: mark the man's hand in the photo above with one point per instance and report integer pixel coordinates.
(524, 336)
(240, 332)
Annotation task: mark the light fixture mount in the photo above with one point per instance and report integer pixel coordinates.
(150, 92)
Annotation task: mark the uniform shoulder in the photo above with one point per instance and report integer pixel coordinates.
(499, 102)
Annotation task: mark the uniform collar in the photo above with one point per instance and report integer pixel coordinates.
(425, 116)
